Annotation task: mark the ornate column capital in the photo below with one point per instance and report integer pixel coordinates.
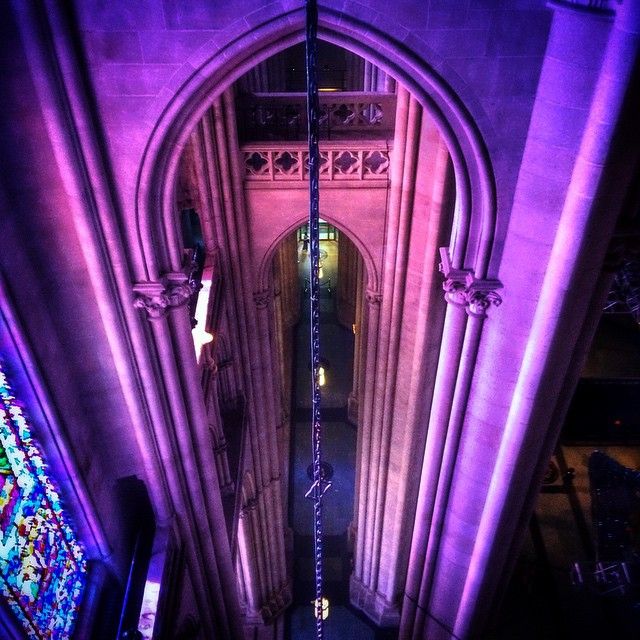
(151, 297)
(462, 288)
(262, 298)
(179, 288)
(373, 297)
(250, 505)
(156, 298)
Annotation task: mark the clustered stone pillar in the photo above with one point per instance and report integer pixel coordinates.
(402, 327)
(254, 357)
(486, 450)
(195, 494)
(349, 303)
(216, 428)
(350, 268)
(375, 79)
(286, 314)
(267, 76)
(353, 402)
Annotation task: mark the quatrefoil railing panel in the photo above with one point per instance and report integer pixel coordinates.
(338, 161)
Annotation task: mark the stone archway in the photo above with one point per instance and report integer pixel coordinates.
(472, 241)
(470, 247)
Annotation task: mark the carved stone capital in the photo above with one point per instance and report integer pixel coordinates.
(249, 506)
(479, 300)
(262, 298)
(221, 447)
(373, 297)
(463, 289)
(179, 288)
(156, 298)
(151, 297)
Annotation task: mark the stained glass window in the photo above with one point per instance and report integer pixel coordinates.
(42, 565)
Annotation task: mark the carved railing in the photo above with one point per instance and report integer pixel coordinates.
(338, 161)
(283, 116)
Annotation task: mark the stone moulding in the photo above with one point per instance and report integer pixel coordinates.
(462, 288)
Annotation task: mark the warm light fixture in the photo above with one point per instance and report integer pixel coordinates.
(321, 609)
(322, 379)
(200, 338)
(205, 337)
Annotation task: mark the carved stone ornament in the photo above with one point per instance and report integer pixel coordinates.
(151, 297)
(463, 289)
(479, 300)
(373, 297)
(249, 506)
(156, 298)
(262, 298)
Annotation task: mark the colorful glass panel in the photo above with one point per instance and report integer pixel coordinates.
(42, 565)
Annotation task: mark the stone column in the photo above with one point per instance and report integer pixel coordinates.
(250, 327)
(354, 75)
(573, 274)
(375, 79)
(353, 402)
(218, 440)
(194, 481)
(350, 268)
(399, 354)
(286, 314)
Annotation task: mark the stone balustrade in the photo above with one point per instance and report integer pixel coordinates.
(367, 161)
(283, 116)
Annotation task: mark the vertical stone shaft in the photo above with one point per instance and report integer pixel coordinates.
(393, 376)
(401, 202)
(219, 441)
(353, 408)
(349, 272)
(447, 373)
(376, 364)
(432, 220)
(250, 318)
(286, 314)
(266, 385)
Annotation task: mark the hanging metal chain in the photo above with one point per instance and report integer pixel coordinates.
(320, 485)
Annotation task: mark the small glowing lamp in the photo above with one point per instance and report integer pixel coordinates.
(320, 272)
(321, 608)
(322, 379)
(200, 338)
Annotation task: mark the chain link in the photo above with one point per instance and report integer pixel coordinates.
(313, 115)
